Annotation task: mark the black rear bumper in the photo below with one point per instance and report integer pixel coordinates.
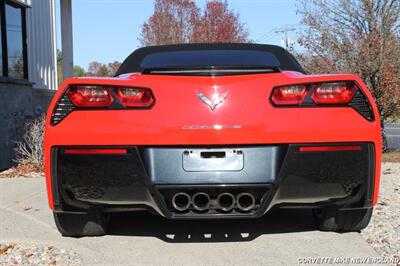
(277, 175)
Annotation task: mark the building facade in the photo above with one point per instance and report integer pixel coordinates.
(28, 68)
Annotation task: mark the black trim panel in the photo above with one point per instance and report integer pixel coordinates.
(344, 177)
(305, 179)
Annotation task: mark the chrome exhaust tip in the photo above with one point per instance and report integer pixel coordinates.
(245, 201)
(201, 201)
(181, 201)
(226, 201)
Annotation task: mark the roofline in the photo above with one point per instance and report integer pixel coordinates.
(26, 3)
(131, 62)
(208, 45)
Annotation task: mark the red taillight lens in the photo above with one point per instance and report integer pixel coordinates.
(90, 96)
(330, 148)
(289, 95)
(334, 93)
(135, 97)
(95, 151)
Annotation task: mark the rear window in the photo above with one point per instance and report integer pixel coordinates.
(207, 58)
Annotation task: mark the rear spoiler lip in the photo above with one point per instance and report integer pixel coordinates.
(211, 70)
(294, 77)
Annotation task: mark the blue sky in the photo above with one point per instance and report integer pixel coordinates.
(108, 30)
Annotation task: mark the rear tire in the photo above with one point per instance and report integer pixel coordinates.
(332, 219)
(93, 223)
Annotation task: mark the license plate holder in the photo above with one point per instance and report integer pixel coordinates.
(212, 160)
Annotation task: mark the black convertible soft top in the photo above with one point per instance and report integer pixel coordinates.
(226, 54)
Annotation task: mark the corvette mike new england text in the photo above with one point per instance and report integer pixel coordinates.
(349, 260)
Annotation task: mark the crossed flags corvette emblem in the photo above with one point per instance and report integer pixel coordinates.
(216, 99)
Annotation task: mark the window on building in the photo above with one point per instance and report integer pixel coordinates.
(13, 40)
(1, 46)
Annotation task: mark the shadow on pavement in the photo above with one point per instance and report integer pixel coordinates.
(181, 231)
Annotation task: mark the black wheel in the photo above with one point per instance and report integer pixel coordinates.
(332, 219)
(93, 223)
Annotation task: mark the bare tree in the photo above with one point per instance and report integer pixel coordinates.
(30, 149)
(356, 36)
(219, 24)
(97, 69)
(172, 22)
(113, 67)
(181, 21)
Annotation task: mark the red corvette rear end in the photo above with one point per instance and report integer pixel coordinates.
(212, 131)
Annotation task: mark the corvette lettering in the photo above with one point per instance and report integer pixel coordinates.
(214, 127)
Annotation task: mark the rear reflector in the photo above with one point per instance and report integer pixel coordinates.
(330, 148)
(334, 93)
(95, 151)
(135, 97)
(90, 96)
(289, 95)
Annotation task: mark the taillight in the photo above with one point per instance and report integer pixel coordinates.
(289, 95)
(105, 97)
(135, 97)
(334, 93)
(323, 94)
(90, 96)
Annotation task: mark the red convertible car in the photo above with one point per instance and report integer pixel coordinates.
(212, 131)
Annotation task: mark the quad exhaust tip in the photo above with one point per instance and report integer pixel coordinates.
(201, 201)
(181, 201)
(245, 201)
(226, 201)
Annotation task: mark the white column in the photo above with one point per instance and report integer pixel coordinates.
(66, 38)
